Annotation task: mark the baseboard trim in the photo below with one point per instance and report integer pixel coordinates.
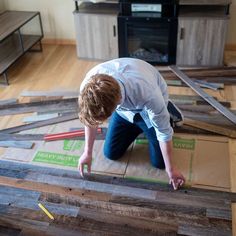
(59, 41)
(230, 47)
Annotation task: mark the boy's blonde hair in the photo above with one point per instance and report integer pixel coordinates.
(98, 99)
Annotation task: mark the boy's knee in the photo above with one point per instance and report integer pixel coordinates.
(111, 155)
(158, 165)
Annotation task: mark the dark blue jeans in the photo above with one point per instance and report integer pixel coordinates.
(121, 133)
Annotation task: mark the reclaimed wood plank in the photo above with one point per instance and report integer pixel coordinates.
(202, 73)
(17, 144)
(219, 214)
(104, 228)
(35, 118)
(8, 231)
(20, 223)
(8, 101)
(223, 110)
(211, 127)
(110, 217)
(39, 124)
(51, 93)
(69, 104)
(196, 230)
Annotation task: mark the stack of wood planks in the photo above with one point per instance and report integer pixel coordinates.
(213, 109)
(102, 205)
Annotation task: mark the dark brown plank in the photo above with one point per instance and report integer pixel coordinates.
(201, 73)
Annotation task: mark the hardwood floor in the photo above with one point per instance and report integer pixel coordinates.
(230, 58)
(57, 67)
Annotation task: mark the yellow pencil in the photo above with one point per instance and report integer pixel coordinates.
(46, 211)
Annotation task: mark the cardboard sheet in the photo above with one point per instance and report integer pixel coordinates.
(203, 160)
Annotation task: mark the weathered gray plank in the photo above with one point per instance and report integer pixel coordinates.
(35, 118)
(39, 124)
(195, 230)
(52, 93)
(204, 95)
(17, 144)
(69, 105)
(8, 101)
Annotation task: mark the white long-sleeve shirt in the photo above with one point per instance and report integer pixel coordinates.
(143, 91)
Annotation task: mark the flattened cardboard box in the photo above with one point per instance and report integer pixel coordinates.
(66, 153)
(203, 160)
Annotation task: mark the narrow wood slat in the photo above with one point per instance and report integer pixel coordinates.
(219, 214)
(39, 124)
(195, 230)
(204, 95)
(103, 228)
(51, 93)
(40, 137)
(21, 137)
(17, 144)
(20, 223)
(8, 101)
(205, 84)
(19, 193)
(35, 118)
(51, 105)
(8, 231)
(211, 127)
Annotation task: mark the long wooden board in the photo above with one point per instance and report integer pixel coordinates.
(104, 203)
(70, 104)
(204, 95)
(39, 124)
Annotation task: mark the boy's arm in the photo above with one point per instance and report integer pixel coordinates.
(176, 178)
(86, 157)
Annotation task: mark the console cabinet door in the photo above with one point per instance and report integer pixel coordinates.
(201, 41)
(96, 36)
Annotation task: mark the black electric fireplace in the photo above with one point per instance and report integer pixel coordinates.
(148, 30)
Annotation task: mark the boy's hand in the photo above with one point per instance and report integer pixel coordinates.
(85, 160)
(176, 179)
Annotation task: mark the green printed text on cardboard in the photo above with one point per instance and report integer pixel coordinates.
(56, 158)
(182, 143)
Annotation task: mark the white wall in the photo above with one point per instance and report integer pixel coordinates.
(57, 15)
(58, 22)
(2, 5)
